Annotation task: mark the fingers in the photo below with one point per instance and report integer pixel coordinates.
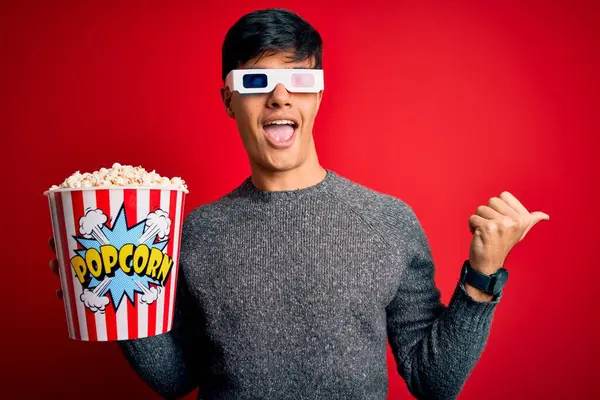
(476, 221)
(514, 203)
(540, 216)
(54, 266)
(506, 214)
(503, 207)
(487, 212)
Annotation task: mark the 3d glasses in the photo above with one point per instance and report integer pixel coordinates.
(264, 80)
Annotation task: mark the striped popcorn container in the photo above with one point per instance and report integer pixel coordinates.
(118, 253)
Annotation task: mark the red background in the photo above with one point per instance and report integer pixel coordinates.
(443, 104)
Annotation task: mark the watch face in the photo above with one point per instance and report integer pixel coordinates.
(501, 278)
(463, 272)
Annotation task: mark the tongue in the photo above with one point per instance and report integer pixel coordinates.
(279, 132)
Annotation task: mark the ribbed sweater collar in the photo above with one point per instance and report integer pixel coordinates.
(247, 189)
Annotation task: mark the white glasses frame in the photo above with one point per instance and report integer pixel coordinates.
(286, 76)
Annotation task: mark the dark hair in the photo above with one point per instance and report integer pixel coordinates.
(270, 30)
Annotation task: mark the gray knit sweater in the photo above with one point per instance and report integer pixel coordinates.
(292, 294)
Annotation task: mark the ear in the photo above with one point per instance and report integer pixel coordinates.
(319, 98)
(226, 97)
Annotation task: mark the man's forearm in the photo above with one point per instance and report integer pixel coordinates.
(477, 294)
(161, 362)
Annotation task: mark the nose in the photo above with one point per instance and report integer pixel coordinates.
(280, 97)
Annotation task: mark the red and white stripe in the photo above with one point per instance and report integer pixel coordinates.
(116, 201)
(129, 320)
(165, 198)
(177, 220)
(73, 210)
(58, 224)
(89, 201)
(143, 208)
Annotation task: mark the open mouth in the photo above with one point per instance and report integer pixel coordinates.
(281, 132)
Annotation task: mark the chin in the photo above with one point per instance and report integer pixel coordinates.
(281, 166)
(280, 163)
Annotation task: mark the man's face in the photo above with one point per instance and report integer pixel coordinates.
(270, 146)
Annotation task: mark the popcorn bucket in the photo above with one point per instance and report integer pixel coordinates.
(118, 253)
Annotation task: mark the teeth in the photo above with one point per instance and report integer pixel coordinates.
(280, 122)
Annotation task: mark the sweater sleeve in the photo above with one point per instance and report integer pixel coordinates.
(168, 362)
(435, 347)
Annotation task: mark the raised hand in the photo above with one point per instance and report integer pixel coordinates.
(496, 228)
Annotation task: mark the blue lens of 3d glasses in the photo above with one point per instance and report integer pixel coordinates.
(254, 81)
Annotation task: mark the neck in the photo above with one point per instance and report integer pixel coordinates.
(305, 175)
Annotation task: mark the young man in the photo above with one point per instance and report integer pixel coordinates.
(290, 285)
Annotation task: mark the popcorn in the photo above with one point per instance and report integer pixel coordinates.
(120, 175)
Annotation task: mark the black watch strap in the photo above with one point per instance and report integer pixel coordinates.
(491, 284)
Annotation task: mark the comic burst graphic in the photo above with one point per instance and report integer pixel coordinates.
(152, 231)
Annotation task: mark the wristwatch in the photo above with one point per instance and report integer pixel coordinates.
(490, 284)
